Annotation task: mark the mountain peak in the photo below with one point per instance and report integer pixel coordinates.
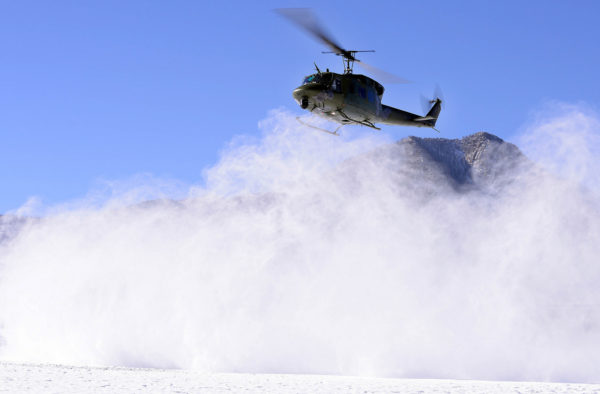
(476, 159)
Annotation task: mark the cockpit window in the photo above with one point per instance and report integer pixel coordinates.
(324, 78)
(311, 79)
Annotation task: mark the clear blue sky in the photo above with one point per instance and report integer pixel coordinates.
(109, 89)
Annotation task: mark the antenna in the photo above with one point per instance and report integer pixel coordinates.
(317, 67)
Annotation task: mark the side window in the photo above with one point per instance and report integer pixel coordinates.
(337, 86)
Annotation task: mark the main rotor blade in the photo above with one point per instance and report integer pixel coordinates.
(307, 20)
(383, 76)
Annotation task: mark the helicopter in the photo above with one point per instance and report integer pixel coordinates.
(349, 98)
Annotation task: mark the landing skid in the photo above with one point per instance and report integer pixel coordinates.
(334, 132)
(360, 122)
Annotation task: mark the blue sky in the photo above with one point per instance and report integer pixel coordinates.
(110, 89)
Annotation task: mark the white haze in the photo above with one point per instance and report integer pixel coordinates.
(284, 263)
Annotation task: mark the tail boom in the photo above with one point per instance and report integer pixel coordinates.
(394, 116)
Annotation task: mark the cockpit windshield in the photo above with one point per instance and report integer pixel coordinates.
(315, 78)
(323, 78)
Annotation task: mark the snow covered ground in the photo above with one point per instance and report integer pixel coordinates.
(46, 378)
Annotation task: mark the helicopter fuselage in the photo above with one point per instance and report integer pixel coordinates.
(354, 99)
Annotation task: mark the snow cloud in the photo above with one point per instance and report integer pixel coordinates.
(284, 262)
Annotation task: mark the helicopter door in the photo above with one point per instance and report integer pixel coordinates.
(362, 96)
(351, 96)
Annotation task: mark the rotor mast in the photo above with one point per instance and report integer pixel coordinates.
(348, 58)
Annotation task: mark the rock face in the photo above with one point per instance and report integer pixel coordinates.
(418, 168)
(10, 226)
(479, 159)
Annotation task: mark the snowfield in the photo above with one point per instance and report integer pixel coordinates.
(46, 378)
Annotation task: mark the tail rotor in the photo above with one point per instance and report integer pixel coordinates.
(427, 103)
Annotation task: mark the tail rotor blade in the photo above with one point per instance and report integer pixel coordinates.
(439, 94)
(427, 103)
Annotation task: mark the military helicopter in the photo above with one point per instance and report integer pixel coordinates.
(349, 98)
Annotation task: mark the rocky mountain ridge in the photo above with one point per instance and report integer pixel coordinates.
(479, 158)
